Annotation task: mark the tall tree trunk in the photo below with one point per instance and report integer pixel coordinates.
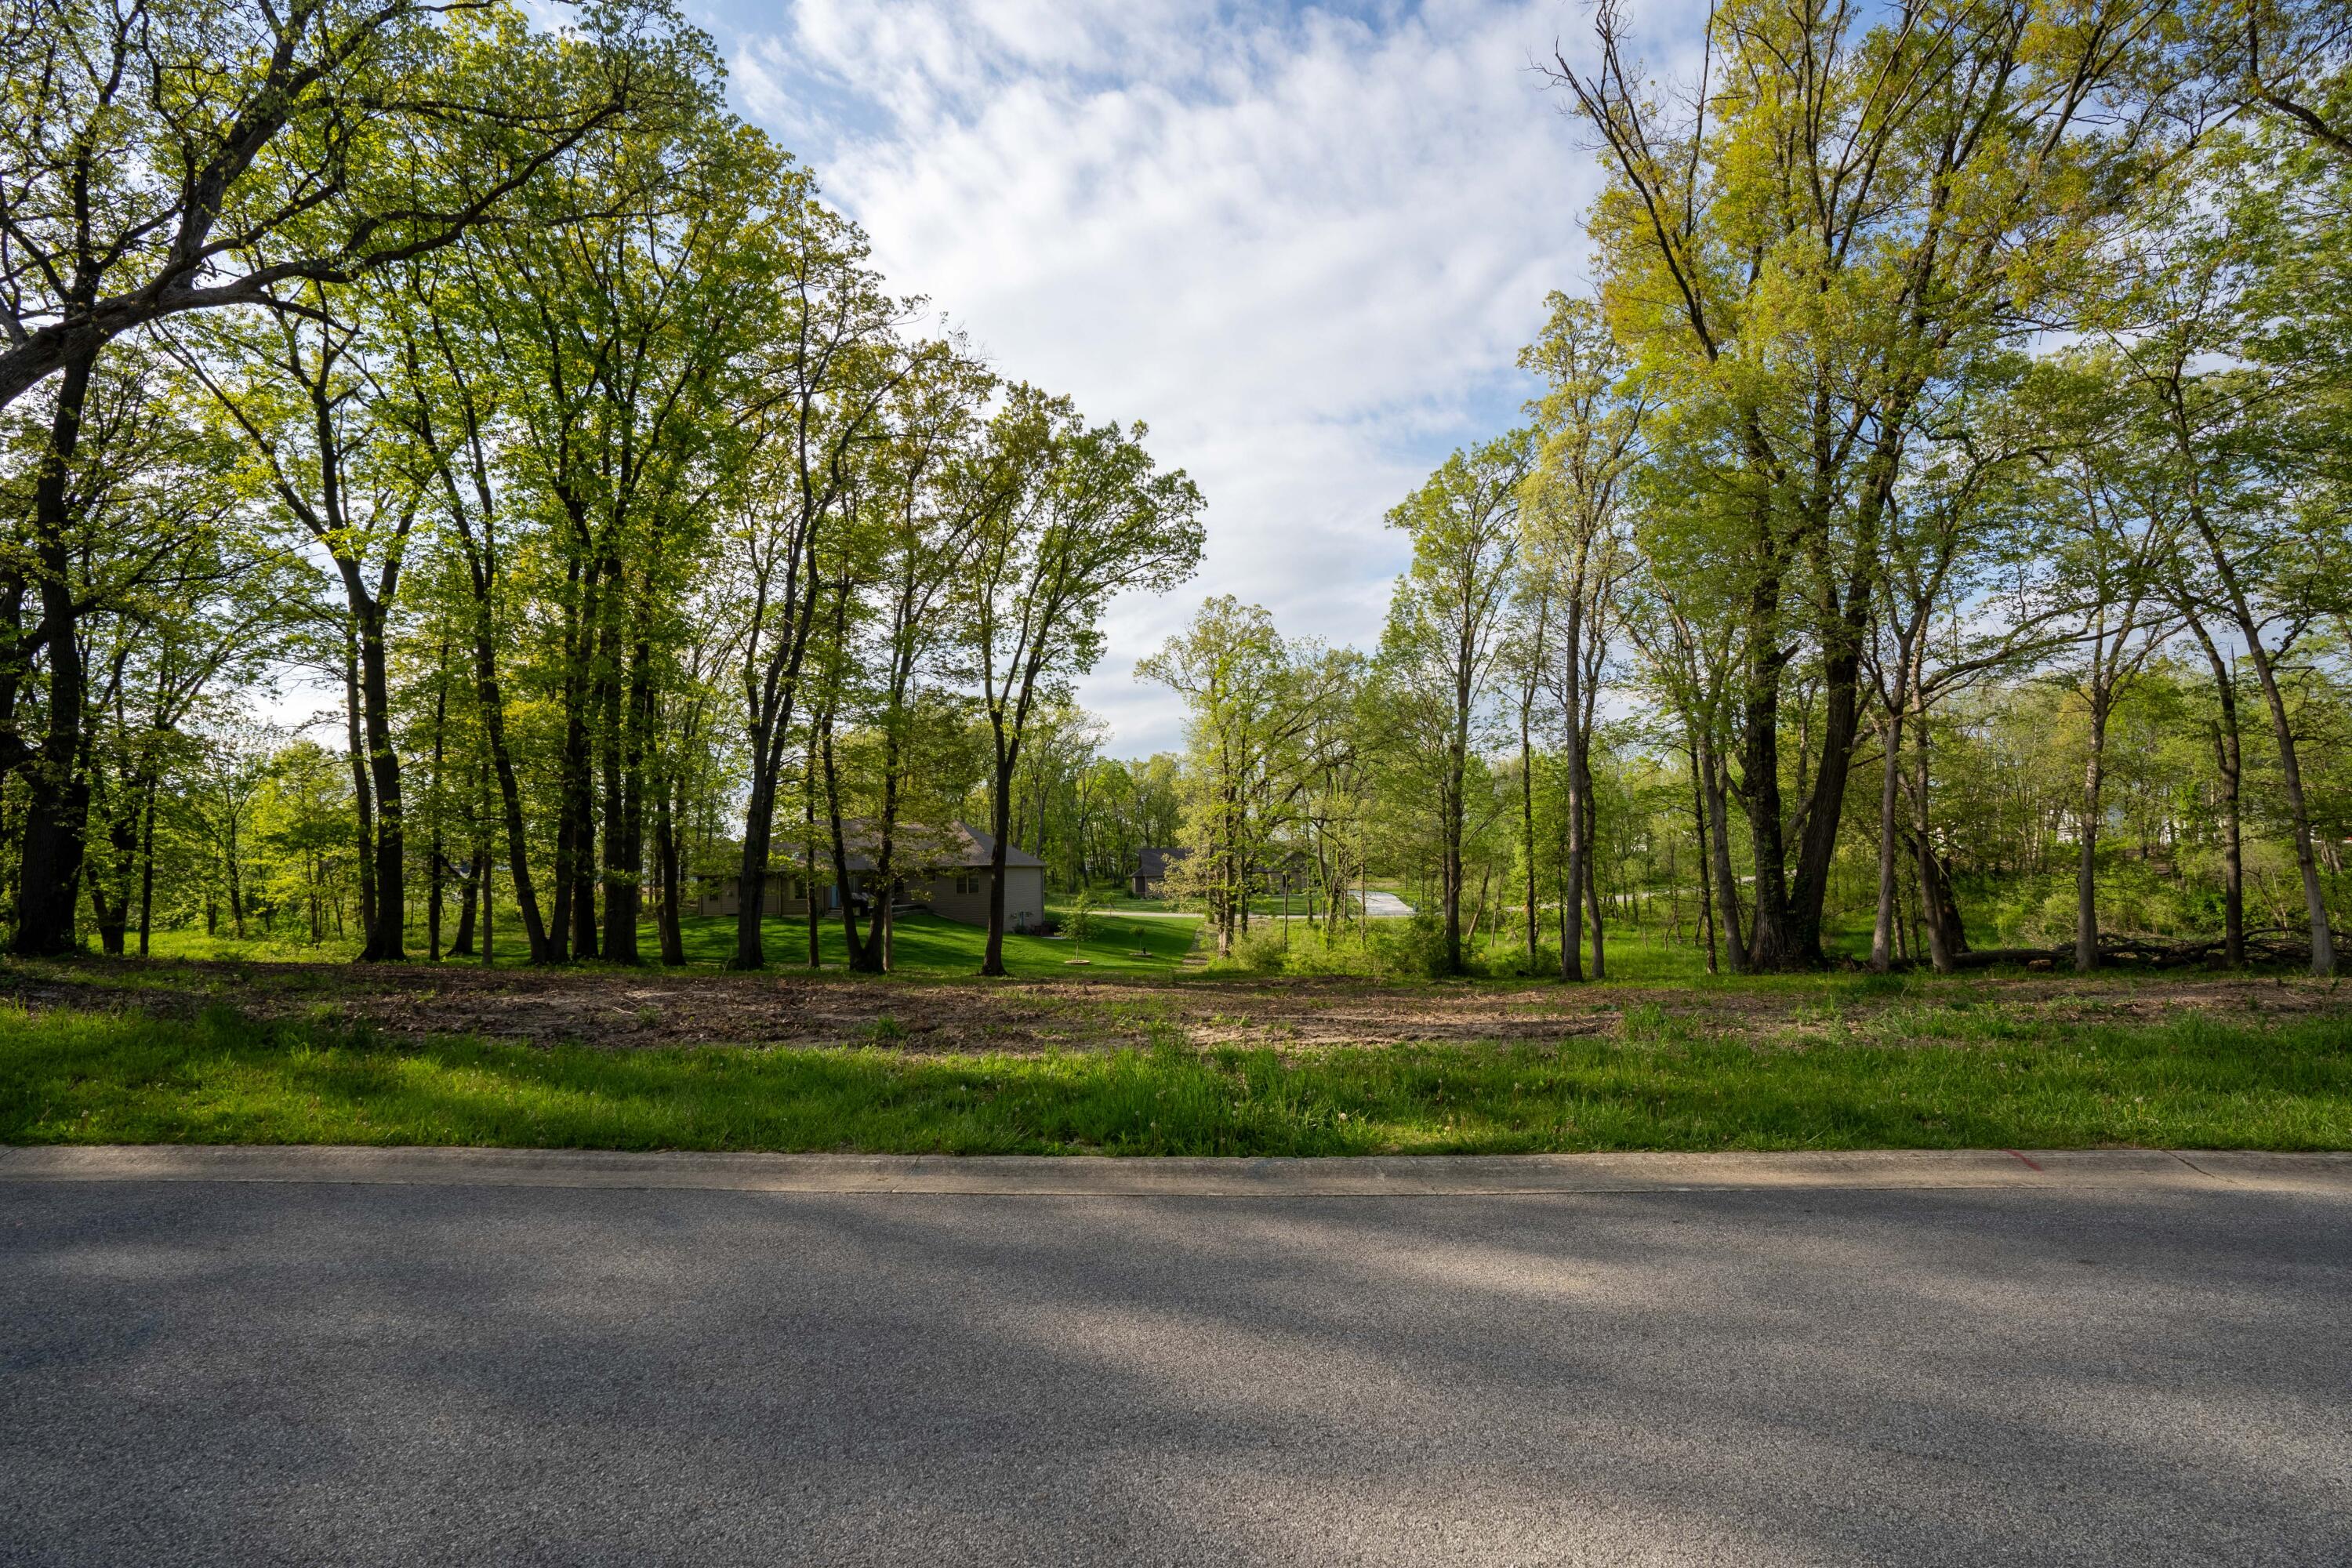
(665, 920)
(1572, 910)
(2227, 760)
(1698, 827)
(2086, 883)
(1718, 840)
(437, 861)
(489, 932)
(388, 938)
(2323, 939)
(1458, 771)
(759, 836)
(624, 846)
(1946, 939)
(147, 868)
(490, 699)
(1592, 881)
(574, 928)
(462, 945)
(1770, 943)
(1882, 930)
(992, 960)
(57, 807)
(808, 853)
(864, 958)
(362, 794)
(1527, 825)
(1825, 806)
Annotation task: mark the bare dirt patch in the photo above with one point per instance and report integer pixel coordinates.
(624, 1010)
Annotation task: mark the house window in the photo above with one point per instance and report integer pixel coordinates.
(967, 884)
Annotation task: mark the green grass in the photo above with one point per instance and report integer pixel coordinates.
(1984, 1078)
(924, 945)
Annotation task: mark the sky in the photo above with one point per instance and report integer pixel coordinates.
(1302, 243)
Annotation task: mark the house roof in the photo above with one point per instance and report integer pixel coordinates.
(915, 846)
(982, 845)
(1153, 862)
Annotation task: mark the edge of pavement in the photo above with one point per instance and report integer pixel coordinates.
(1410, 1175)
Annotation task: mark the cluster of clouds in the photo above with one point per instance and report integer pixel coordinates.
(1304, 244)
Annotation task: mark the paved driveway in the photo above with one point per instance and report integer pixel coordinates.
(207, 1371)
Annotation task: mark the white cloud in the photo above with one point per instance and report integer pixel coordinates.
(1303, 245)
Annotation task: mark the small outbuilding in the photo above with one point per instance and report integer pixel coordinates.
(1151, 867)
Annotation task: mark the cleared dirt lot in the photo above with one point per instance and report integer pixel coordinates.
(651, 1007)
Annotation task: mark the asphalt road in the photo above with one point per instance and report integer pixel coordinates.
(205, 1371)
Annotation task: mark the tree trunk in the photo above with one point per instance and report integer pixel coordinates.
(355, 746)
(1001, 824)
(666, 919)
(1526, 828)
(490, 699)
(57, 806)
(1945, 942)
(759, 833)
(462, 945)
(1698, 828)
(2227, 760)
(147, 868)
(1727, 886)
(1882, 930)
(625, 841)
(436, 858)
(1592, 881)
(2086, 885)
(864, 957)
(808, 854)
(1457, 770)
(386, 939)
(1770, 944)
(2322, 940)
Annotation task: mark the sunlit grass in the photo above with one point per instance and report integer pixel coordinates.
(2000, 1080)
(923, 945)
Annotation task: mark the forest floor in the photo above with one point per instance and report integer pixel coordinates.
(96, 1051)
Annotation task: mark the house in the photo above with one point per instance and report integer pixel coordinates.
(945, 871)
(1294, 873)
(1151, 868)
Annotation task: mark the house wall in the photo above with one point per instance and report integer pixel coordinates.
(970, 909)
(1025, 898)
(783, 899)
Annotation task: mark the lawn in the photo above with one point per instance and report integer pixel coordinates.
(924, 945)
(1134, 1067)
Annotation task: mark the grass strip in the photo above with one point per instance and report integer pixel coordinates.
(70, 1076)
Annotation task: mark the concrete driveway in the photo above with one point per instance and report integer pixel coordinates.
(2134, 1372)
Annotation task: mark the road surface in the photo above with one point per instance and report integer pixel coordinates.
(222, 1372)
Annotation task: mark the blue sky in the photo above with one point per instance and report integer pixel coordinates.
(1303, 243)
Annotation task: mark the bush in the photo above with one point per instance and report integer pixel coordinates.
(1262, 948)
(1515, 962)
(1414, 947)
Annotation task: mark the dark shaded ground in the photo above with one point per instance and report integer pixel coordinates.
(651, 1006)
(230, 1373)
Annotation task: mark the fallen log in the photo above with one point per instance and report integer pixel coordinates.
(2284, 945)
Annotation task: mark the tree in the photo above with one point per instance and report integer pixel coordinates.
(1855, 206)
(1095, 517)
(1590, 427)
(1444, 633)
(1252, 705)
(832, 370)
(172, 156)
